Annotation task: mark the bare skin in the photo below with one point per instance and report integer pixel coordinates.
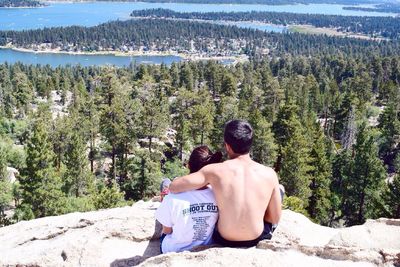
(247, 194)
(166, 230)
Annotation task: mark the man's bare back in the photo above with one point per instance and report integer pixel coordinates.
(247, 193)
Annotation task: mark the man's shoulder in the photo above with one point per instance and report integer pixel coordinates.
(215, 169)
(265, 171)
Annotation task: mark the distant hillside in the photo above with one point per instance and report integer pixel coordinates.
(20, 3)
(265, 2)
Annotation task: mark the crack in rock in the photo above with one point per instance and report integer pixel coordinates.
(130, 238)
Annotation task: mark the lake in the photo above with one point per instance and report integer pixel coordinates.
(94, 13)
(55, 60)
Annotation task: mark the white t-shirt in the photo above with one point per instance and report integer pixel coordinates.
(192, 216)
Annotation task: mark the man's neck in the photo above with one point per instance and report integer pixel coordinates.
(240, 156)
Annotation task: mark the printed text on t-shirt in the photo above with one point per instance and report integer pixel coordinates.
(200, 207)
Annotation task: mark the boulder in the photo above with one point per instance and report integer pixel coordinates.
(129, 236)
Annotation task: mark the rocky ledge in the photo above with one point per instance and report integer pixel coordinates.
(129, 236)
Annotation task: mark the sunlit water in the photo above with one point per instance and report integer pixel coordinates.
(94, 13)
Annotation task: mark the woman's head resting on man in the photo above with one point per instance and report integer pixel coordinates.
(202, 156)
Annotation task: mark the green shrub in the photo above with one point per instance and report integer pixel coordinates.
(108, 197)
(295, 204)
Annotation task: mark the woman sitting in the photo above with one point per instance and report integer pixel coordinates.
(189, 218)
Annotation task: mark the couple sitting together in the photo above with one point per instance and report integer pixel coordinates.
(234, 203)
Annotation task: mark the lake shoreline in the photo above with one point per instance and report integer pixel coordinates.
(184, 56)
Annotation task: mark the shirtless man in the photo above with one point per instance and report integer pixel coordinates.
(247, 193)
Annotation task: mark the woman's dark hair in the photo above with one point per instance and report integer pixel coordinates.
(202, 156)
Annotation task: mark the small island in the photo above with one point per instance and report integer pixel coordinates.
(20, 3)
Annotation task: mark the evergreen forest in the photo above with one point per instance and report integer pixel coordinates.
(325, 112)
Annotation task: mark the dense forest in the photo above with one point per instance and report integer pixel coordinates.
(187, 36)
(385, 7)
(20, 3)
(387, 27)
(328, 124)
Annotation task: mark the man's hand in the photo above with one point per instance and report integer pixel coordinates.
(190, 182)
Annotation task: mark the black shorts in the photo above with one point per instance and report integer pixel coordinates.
(266, 234)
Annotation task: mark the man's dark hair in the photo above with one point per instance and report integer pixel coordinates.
(239, 136)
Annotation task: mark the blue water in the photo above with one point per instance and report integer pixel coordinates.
(259, 26)
(93, 13)
(55, 60)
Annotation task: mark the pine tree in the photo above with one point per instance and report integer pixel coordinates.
(60, 134)
(392, 196)
(264, 149)
(295, 168)
(319, 204)
(342, 169)
(228, 85)
(202, 115)
(119, 124)
(293, 164)
(186, 78)
(389, 123)
(314, 94)
(5, 185)
(362, 191)
(91, 117)
(226, 110)
(344, 116)
(41, 184)
(181, 125)
(7, 99)
(154, 119)
(23, 91)
(145, 176)
(78, 178)
(273, 94)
